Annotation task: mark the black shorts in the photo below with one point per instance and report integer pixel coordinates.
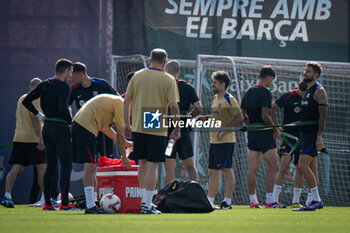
(220, 155)
(285, 149)
(308, 143)
(105, 145)
(26, 153)
(84, 144)
(183, 147)
(261, 141)
(149, 147)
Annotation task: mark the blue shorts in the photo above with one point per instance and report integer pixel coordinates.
(308, 143)
(220, 155)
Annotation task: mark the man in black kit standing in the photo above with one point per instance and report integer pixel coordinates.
(183, 146)
(84, 89)
(256, 106)
(54, 95)
(313, 108)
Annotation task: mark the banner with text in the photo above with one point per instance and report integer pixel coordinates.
(300, 29)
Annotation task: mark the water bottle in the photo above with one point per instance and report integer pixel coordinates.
(169, 148)
(324, 174)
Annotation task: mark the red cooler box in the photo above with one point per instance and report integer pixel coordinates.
(123, 183)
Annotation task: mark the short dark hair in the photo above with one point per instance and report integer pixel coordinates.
(302, 85)
(173, 67)
(62, 65)
(130, 75)
(158, 55)
(316, 67)
(79, 67)
(222, 77)
(267, 71)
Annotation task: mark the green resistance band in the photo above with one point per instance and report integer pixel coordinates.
(6, 145)
(285, 136)
(55, 119)
(258, 127)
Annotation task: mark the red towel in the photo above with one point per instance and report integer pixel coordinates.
(103, 161)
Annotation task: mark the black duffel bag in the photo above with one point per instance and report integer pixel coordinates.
(182, 197)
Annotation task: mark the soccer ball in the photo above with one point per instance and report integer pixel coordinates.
(110, 203)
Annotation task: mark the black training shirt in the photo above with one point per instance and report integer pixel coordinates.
(291, 104)
(254, 100)
(81, 95)
(54, 96)
(187, 94)
(309, 108)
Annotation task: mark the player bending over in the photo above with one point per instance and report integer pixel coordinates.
(98, 114)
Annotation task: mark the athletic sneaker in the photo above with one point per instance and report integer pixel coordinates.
(225, 206)
(49, 207)
(279, 205)
(304, 208)
(316, 205)
(143, 206)
(7, 202)
(256, 206)
(70, 207)
(296, 206)
(94, 210)
(55, 203)
(270, 205)
(37, 204)
(152, 210)
(41, 203)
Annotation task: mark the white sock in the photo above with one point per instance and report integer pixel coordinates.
(227, 200)
(8, 195)
(42, 199)
(276, 192)
(211, 199)
(296, 195)
(148, 198)
(269, 198)
(89, 196)
(95, 196)
(253, 199)
(143, 194)
(315, 194)
(309, 198)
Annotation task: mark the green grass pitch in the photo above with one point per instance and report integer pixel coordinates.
(239, 219)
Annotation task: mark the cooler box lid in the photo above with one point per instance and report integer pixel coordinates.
(117, 170)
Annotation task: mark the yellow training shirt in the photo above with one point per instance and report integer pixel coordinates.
(151, 90)
(224, 109)
(24, 127)
(101, 112)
